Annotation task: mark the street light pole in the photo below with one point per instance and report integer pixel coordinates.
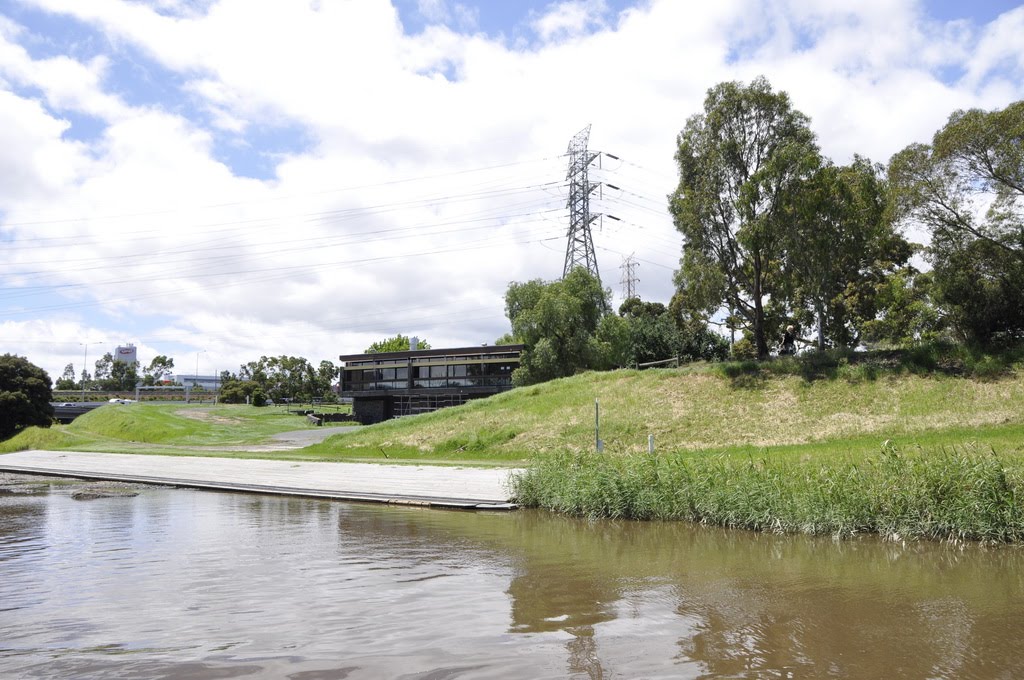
(85, 363)
(195, 378)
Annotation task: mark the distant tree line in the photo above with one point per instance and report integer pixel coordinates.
(294, 378)
(775, 234)
(283, 377)
(116, 376)
(278, 378)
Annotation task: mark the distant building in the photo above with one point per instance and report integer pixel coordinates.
(126, 354)
(391, 384)
(207, 382)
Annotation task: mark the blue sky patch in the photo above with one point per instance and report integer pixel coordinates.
(510, 19)
(84, 128)
(55, 35)
(979, 12)
(140, 81)
(257, 152)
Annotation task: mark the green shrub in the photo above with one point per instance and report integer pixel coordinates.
(923, 358)
(988, 367)
(743, 349)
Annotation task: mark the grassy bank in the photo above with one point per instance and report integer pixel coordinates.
(836, 407)
(820, 406)
(161, 428)
(899, 444)
(963, 494)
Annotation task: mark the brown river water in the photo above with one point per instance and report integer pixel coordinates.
(176, 583)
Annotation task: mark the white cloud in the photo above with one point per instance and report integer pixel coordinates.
(1000, 45)
(569, 19)
(66, 84)
(35, 163)
(380, 225)
(433, 10)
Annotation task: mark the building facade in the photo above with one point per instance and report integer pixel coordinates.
(126, 354)
(391, 384)
(210, 383)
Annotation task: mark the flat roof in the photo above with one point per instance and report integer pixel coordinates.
(449, 351)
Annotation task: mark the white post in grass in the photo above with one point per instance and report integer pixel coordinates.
(650, 444)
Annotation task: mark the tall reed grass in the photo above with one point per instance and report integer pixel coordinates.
(957, 494)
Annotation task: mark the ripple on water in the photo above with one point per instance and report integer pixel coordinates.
(188, 584)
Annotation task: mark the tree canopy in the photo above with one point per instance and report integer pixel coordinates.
(116, 375)
(967, 189)
(740, 161)
(25, 394)
(840, 249)
(557, 322)
(654, 332)
(67, 379)
(565, 329)
(157, 369)
(977, 158)
(281, 377)
(398, 343)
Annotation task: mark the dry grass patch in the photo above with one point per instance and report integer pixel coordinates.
(208, 417)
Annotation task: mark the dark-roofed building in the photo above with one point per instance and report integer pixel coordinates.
(391, 384)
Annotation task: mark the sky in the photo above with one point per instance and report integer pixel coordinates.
(219, 180)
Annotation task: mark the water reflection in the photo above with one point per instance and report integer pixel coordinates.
(178, 583)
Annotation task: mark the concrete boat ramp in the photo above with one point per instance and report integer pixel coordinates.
(423, 485)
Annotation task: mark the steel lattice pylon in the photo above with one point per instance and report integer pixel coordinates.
(579, 251)
(629, 277)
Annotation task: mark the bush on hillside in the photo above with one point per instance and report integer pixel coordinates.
(25, 394)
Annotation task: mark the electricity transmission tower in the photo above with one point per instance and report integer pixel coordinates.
(629, 277)
(579, 251)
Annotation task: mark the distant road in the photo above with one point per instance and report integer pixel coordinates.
(65, 412)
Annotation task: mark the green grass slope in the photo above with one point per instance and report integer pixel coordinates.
(159, 428)
(704, 409)
(728, 409)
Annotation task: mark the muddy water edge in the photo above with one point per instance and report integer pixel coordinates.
(145, 582)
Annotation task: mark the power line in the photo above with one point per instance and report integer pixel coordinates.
(321, 217)
(280, 273)
(360, 187)
(311, 243)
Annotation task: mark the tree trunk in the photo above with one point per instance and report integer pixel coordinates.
(821, 325)
(760, 340)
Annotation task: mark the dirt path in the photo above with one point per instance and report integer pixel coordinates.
(284, 441)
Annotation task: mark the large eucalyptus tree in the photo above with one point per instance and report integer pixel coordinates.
(739, 162)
